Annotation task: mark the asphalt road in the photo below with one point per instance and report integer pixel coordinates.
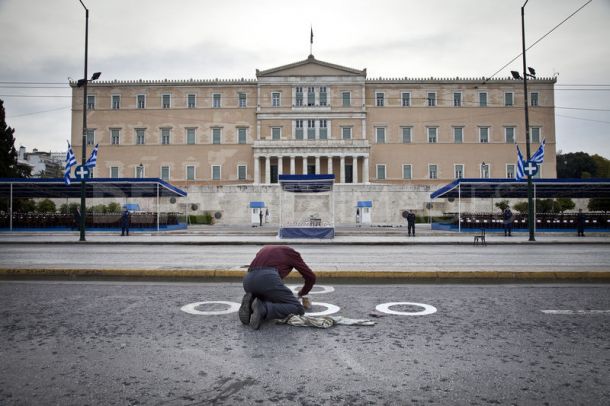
(128, 343)
(332, 257)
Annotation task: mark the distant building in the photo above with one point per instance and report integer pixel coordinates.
(43, 164)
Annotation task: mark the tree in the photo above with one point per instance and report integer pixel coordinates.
(68, 209)
(599, 204)
(602, 166)
(565, 204)
(520, 207)
(114, 207)
(502, 205)
(46, 206)
(576, 165)
(9, 165)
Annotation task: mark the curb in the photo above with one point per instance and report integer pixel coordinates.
(601, 275)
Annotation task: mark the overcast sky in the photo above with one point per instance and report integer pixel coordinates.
(43, 41)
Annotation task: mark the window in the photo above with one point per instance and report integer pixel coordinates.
(457, 99)
(140, 171)
(275, 99)
(432, 171)
(190, 136)
(407, 171)
(431, 99)
(406, 135)
(215, 135)
(311, 96)
(508, 99)
(458, 171)
(484, 134)
(140, 136)
(191, 101)
(215, 172)
(483, 99)
(485, 170)
(323, 129)
(380, 135)
(166, 101)
(141, 101)
(90, 136)
(432, 131)
(405, 99)
(216, 100)
(114, 171)
(311, 129)
(380, 99)
(534, 99)
(190, 172)
(165, 172)
(323, 96)
(299, 96)
(347, 99)
(381, 172)
(115, 136)
(535, 135)
(242, 171)
(346, 133)
(510, 171)
(276, 133)
(165, 132)
(242, 100)
(298, 129)
(458, 135)
(116, 101)
(241, 135)
(509, 135)
(90, 102)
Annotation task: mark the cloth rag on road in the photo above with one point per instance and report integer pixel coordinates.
(322, 321)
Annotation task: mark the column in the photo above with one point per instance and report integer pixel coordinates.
(257, 170)
(304, 164)
(292, 165)
(365, 170)
(317, 164)
(280, 165)
(355, 168)
(267, 169)
(329, 165)
(342, 169)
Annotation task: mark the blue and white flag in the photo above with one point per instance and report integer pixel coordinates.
(520, 164)
(92, 161)
(70, 162)
(538, 156)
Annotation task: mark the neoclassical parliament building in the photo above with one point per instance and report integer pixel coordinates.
(390, 140)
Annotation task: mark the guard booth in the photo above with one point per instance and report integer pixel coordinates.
(256, 210)
(364, 209)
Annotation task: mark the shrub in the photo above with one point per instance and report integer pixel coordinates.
(46, 206)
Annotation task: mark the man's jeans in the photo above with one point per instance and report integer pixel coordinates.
(267, 286)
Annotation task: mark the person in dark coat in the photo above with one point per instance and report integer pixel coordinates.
(260, 216)
(580, 223)
(125, 220)
(267, 297)
(411, 223)
(507, 220)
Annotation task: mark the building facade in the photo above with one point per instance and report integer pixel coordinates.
(314, 117)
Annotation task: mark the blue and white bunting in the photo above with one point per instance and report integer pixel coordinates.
(70, 162)
(92, 161)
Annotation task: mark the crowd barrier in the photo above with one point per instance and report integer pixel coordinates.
(543, 221)
(93, 220)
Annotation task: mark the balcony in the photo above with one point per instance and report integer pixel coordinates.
(319, 146)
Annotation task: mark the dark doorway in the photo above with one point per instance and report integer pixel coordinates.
(349, 174)
(273, 173)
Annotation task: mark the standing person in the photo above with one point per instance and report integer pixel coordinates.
(507, 220)
(580, 223)
(125, 223)
(411, 223)
(358, 215)
(266, 215)
(266, 295)
(260, 217)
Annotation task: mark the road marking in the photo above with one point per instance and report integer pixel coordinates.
(385, 308)
(330, 309)
(575, 311)
(191, 308)
(325, 289)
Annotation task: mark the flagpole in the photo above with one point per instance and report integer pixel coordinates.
(530, 199)
(83, 204)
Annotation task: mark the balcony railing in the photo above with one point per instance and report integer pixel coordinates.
(329, 143)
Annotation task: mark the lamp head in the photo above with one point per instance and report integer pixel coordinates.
(516, 75)
(96, 75)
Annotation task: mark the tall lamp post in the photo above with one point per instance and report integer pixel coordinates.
(83, 83)
(516, 75)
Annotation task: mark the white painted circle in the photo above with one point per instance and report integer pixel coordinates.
(325, 289)
(191, 308)
(330, 309)
(385, 308)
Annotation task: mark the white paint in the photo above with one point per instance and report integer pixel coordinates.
(330, 309)
(385, 308)
(576, 311)
(191, 308)
(325, 289)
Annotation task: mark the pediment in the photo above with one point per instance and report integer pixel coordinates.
(311, 67)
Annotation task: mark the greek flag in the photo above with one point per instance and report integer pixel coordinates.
(538, 156)
(520, 164)
(70, 162)
(92, 161)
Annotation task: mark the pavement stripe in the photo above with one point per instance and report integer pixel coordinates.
(572, 312)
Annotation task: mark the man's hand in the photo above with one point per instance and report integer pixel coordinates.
(306, 302)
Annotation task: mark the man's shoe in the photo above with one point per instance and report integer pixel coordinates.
(245, 310)
(258, 314)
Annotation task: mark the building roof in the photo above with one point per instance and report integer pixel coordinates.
(97, 187)
(311, 60)
(510, 188)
